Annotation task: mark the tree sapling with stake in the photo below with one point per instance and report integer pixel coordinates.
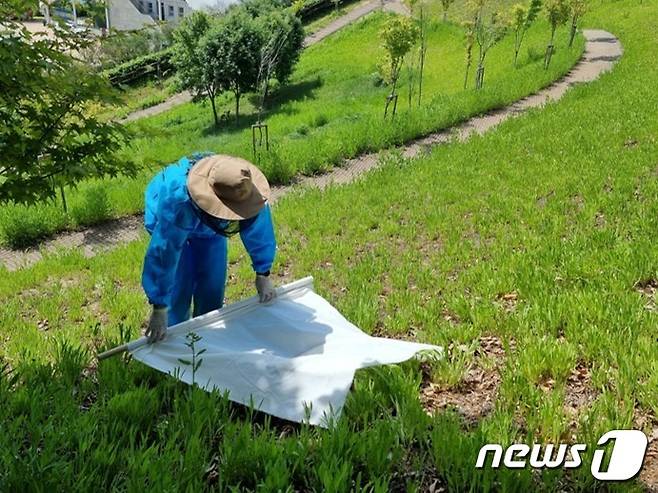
(521, 18)
(398, 35)
(578, 8)
(557, 12)
(487, 34)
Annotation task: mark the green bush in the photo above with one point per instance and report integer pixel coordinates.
(93, 208)
(23, 225)
(140, 68)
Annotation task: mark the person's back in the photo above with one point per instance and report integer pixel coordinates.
(167, 198)
(191, 208)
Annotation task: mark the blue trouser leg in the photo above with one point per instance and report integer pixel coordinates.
(183, 289)
(210, 258)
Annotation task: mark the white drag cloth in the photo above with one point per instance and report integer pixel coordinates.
(294, 358)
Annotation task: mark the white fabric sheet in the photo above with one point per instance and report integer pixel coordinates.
(295, 353)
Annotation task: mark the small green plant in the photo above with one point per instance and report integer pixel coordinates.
(398, 37)
(488, 31)
(578, 9)
(521, 18)
(557, 12)
(195, 363)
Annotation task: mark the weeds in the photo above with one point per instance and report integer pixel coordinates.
(580, 294)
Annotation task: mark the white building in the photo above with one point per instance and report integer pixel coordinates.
(127, 15)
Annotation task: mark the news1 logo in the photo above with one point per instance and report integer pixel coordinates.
(625, 460)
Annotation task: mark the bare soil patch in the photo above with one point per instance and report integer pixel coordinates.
(475, 395)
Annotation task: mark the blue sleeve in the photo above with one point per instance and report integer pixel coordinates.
(174, 224)
(258, 238)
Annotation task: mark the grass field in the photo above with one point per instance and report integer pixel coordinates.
(140, 97)
(331, 109)
(529, 253)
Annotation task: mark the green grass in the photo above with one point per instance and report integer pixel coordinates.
(332, 109)
(140, 97)
(328, 17)
(559, 206)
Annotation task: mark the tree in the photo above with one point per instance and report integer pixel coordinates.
(488, 31)
(470, 42)
(191, 69)
(578, 9)
(231, 51)
(557, 12)
(521, 18)
(287, 28)
(446, 5)
(49, 137)
(398, 35)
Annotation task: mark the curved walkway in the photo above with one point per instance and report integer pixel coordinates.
(602, 50)
(311, 39)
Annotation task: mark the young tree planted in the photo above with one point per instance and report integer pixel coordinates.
(557, 12)
(488, 31)
(231, 50)
(192, 71)
(286, 27)
(578, 9)
(521, 18)
(280, 51)
(49, 137)
(417, 67)
(398, 35)
(469, 27)
(446, 6)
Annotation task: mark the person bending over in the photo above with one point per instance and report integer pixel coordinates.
(191, 208)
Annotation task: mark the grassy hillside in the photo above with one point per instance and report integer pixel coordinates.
(529, 253)
(332, 109)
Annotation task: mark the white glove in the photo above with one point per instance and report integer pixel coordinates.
(265, 288)
(157, 328)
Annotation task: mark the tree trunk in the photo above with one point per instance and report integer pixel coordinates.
(237, 107)
(211, 96)
(63, 196)
(574, 28)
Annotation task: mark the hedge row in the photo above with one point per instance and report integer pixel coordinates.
(141, 68)
(313, 8)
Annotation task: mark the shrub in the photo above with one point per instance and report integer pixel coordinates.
(23, 226)
(141, 68)
(93, 208)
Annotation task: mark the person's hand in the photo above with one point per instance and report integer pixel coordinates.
(157, 328)
(265, 288)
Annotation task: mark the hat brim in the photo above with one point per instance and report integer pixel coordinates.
(203, 194)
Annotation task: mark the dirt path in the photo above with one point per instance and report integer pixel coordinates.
(311, 39)
(601, 52)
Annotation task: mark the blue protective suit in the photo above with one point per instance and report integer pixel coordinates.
(186, 260)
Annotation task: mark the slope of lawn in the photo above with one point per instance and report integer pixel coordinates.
(540, 233)
(331, 109)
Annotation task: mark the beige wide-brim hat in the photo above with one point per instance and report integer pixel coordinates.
(228, 187)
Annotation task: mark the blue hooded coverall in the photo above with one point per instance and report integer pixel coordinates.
(186, 259)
